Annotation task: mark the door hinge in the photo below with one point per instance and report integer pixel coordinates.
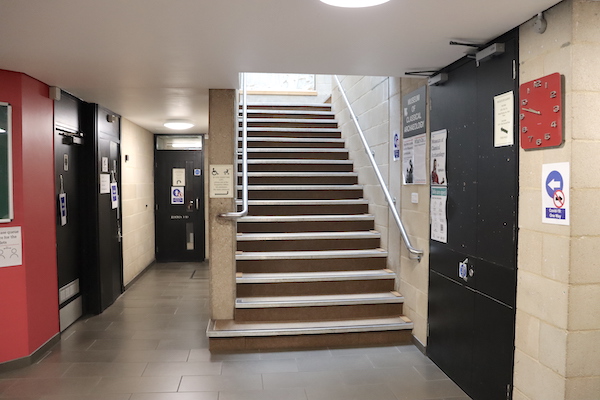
(156, 207)
(508, 391)
(428, 329)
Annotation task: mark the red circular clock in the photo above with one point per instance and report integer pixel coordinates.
(540, 112)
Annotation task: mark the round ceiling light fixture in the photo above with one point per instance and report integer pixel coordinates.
(354, 3)
(179, 124)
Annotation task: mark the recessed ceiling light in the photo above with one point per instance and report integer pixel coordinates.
(354, 3)
(179, 124)
(2, 130)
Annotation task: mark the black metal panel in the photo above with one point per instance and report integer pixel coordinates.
(450, 326)
(452, 108)
(493, 350)
(497, 166)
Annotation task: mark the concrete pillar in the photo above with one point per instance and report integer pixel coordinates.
(221, 149)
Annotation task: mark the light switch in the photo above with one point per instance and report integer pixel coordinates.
(414, 198)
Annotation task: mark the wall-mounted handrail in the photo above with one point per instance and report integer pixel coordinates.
(244, 211)
(416, 252)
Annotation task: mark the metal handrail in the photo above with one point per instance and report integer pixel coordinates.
(418, 253)
(244, 211)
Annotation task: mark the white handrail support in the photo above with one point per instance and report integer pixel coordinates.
(382, 184)
(244, 211)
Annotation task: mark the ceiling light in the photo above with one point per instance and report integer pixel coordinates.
(2, 130)
(179, 124)
(354, 3)
(186, 145)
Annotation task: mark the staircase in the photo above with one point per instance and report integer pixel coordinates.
(310, 272)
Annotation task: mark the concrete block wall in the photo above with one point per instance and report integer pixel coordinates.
(414, 276)
(137, 197)
(370, 99)
(377, 102)
(557, 341)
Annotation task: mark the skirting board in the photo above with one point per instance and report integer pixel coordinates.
(32, 358)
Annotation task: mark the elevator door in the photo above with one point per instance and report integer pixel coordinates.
(179, 196)
(471, 320)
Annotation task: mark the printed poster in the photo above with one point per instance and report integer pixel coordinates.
(414, 160)
(439, 222)
(438, 157)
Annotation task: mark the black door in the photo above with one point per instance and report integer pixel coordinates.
(103, 262)
(179, 196)
(109, 222)
(69, 193)
(471, 320)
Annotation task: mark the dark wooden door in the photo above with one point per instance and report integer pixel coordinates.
(471, 321)
(179, 217)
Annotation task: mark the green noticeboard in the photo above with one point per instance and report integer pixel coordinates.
(6, 193)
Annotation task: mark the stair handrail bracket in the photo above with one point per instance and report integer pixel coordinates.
(244, 211)
(412, 250)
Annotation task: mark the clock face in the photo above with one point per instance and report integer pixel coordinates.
(540, 112)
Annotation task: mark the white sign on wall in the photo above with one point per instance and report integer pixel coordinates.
(221, 181)
(11, 246)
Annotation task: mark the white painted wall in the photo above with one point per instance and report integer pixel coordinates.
(137, 196)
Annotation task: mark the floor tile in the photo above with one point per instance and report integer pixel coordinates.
(50, 386)
(334, 363)
(220, 383)
(259, 366)
(176, 396)
(183, 368)
(302, 379)
(371, 392)
(274, 394)
(138, 385)
(152, 356)
(104, 369)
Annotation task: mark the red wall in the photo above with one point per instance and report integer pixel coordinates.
(29, 293)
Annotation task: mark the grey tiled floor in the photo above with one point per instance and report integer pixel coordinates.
(151, 345)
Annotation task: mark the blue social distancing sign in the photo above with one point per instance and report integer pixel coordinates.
(555, 193)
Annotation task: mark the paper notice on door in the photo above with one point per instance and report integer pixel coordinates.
(504, 119)
(439, 222)
(178, 177)
(104, 183)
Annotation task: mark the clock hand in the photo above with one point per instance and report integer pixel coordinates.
(532, 111)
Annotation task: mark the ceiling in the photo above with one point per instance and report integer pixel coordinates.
(151, 60)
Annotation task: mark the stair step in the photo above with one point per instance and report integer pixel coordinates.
(307, 236)
(325, 202)
(305, 218)
(313, 114)
(329, 276)
(308, 121)
(310, 255)
(287, 106)
(296, 131)
(319, 301)
(302, 187)
(296, 161)
(230, 328)
(293, 140)
(300, 174)
(258, 150)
